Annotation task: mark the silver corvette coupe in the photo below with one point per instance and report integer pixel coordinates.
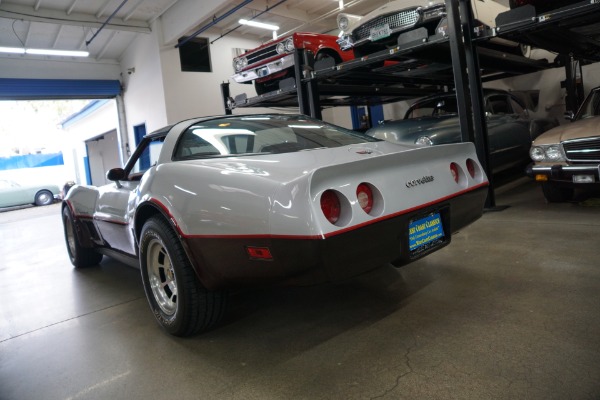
(210, 204)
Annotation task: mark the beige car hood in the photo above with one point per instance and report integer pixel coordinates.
(582, 128)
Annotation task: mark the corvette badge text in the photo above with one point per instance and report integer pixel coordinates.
(423, 180)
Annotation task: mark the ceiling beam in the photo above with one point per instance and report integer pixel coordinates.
(132, 11)
(72, 6)
(103, 9)
(60, 28)
(281, 11)
(18, 12)
(105, 47)
(27, 32)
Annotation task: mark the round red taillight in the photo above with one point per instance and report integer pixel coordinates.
(330, 205)
(364, 194)
(471, 167)
(454, 171)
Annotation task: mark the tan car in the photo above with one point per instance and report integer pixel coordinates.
(568, 156)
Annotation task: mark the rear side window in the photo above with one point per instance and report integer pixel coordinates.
(498, 105)
(433, 108)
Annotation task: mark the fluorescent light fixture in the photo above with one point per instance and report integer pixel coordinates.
(44, 52)
(259, 25)
(13, 50)
(49, 52)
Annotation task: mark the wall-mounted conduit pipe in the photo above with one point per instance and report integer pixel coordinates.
(106, 22)
(212, 23)
(256, 16)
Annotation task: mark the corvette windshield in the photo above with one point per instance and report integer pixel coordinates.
(262, 134)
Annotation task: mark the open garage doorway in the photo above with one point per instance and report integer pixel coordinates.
(102, 155)
(60, 131)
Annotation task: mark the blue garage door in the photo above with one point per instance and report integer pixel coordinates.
(49, 89)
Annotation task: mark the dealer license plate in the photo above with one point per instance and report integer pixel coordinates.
(425, 232)
(380, 32)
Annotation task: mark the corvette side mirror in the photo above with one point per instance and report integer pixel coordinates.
(116, 174)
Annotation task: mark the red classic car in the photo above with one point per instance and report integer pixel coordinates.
(273, 61)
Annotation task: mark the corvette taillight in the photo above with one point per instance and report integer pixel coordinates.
(364, 194)
(471, 167)
(454, 171)
(330, 205)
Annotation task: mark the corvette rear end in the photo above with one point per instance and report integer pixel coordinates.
(345, 212)
(211, 204)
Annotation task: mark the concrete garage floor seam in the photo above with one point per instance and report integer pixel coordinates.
(509, 310)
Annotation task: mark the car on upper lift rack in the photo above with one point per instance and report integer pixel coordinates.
(273, 62)
(380, 28)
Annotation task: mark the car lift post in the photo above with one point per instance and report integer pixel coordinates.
(468, 85)
(226, 96)
(300, 87)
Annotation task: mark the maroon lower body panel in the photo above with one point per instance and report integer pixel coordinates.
(225, 263)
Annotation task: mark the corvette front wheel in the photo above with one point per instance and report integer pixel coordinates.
(180, 303)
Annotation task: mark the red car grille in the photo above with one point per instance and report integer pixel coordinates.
(262, 54)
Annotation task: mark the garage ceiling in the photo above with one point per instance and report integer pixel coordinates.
(72, 24)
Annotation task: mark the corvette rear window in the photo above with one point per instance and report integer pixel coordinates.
(261, 134)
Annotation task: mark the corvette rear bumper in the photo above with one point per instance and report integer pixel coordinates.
(224, 262)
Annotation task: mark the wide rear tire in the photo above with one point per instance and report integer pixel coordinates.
(177, 298)
(80, 256)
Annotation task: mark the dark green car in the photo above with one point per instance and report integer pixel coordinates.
(434, 120)
(14, 194)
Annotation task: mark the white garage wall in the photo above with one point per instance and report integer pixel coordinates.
(193, 94)
(102, 121)
(143, 90)
(552, 96)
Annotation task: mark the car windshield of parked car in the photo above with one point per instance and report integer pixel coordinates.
(261, 134)
(433, 108)
(591, 106)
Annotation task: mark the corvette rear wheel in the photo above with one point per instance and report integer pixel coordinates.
(80, 256)
(177, 298)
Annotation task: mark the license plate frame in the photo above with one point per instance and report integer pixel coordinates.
(380, 32)
(426, 232)
(584, 178)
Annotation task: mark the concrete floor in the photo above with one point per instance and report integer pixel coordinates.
(510, 310)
